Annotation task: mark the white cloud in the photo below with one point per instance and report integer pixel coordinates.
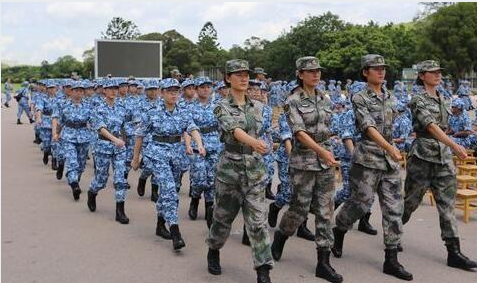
(230, 10)
(79, 10)
(6, 40)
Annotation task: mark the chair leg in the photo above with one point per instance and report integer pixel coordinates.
(466, 210)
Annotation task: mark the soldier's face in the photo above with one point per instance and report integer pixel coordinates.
(204, 91)
(151, 93)
(123, 89)
(189, 92)
(238, 80)
(375, 75)
(77, 93)
(310, 78)
(224, 91)
(254, 92)
(132, 89)
(51, 90)
(110, 92)
(431, 78)
(170, 95)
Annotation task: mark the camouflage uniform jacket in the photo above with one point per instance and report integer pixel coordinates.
(372, 110)
(311, 114)
(427, 109)
(249, 117)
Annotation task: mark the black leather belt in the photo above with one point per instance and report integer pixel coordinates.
(206, 130)
(167, 139)
(47, 112)
(75, 125)
(238, 149)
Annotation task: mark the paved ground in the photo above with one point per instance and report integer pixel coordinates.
(47, 237)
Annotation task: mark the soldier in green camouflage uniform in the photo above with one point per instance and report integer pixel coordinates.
(312, 177)
(375, 167)
(241, 173)
(430, 163)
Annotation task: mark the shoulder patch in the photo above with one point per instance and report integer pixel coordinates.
(218, 110)
(286, 108)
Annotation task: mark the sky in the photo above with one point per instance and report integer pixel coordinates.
(37, 31)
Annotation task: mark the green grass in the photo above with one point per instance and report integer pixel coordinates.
(15, 87)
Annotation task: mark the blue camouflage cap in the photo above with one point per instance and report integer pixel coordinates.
(170, 82)
(458, 103)
(77, 84)
(202, 80)
(401, 107)
(122, 81)
(254, 82)
(220, 85)
(263, 86)
(291, 86)
(68, 82)
(132, 82)
(50, 83)
(340, 101)
(187, 82)
(110, 83)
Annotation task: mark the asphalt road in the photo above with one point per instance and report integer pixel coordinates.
(49, 238)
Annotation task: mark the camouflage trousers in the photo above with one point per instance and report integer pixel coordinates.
(269, 164)
(343, 194)
(283, 195)
(229, 199)
(311, 191)
(421, 176)
(101, 173)
(45, 136)
(202, 175)
(75, 160)
(363, 183)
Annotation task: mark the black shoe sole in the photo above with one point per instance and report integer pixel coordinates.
(179, 245)
(214, 272)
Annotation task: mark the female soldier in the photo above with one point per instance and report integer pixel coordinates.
(202, 171)
(430, 162)
(375, 166)
(167, 123)
(241, 173)
(44, 108)
(311, 173)
(75, 136)
(110, 147)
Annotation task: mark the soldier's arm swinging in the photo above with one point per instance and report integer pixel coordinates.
(54, 129)
(349, 145)
(198, 140)
(257, 145)
(373, 134)
(137, 152)
(324, 154)
(109, 136)
(38, 117)
(188, 141)
(438, 134)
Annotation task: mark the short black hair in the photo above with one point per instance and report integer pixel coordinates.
(362, 76)
(418, 79)
(227, 84)
(298, 80)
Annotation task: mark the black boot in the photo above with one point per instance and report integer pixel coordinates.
(120, 214)
(177, 241)
(392, 267)
(92, 201)
(37, 139)
(304, 233)
(365, 227)
(45, 157)
(19, 122)
(268, 192)
(209, 213)
(6, 105)
(32, 121)
(194, 205)
(263, 274)
(278, 244)
(126, 175)
(454, 256)
(59, 171)
(54, 166)
(399, 247)
(76, 190)
(161, 229)
(213, 262)
(273, 214)
(337, 248)
(245, 239)
(141, 186)
(324, 269)
(154, 189)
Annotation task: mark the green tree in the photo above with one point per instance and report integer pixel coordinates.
(207, 47)
(66, 65)
(88, 63)
(119, 28)
(450, 36)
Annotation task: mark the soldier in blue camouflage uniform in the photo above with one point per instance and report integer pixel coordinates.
(202, 168)
(463, 92)
(167, 123)
(44, 109)
(284, 136)
(39, 92)
(110, 149)
(74, 116)
(57, 148)
(150, 100)
(23, 96)
(311, 166)
(7, 88)
(375, 166)
(222, 91)
(402, 129)
(241, 173)
(460, 126)
(430, 163)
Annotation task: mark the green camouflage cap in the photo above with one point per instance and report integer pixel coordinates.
(428, 66)
(308, 63)
(236, 65)
(372, 60)
(259, 70)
